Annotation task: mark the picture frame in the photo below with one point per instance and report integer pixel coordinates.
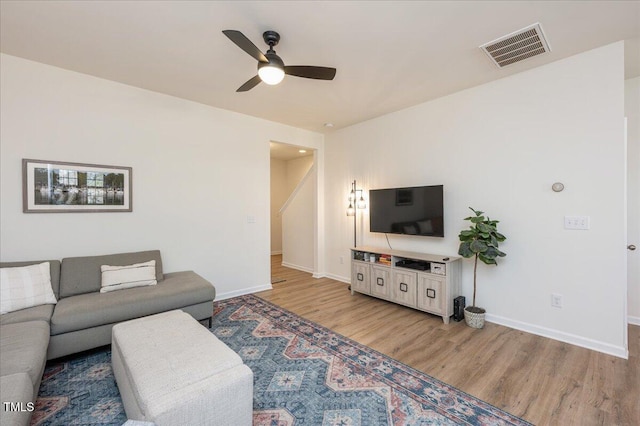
(64, 187)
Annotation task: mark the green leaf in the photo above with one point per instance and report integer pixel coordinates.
(478, 246)
(465, 250)
(487, 260)
(491, 253)
(477, 220)
(484, 228)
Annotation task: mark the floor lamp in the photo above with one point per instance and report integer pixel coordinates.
(355, 203)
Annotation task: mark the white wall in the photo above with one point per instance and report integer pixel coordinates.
(198, 173)
(499, 147)
(298, 223)
(296, 170)
(632, 111)
(285, 176)
(279, 195)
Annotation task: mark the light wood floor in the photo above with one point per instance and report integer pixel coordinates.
(544, 381)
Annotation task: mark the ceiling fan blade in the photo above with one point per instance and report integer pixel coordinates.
(245, 44)
(306, 71)
(250, 84)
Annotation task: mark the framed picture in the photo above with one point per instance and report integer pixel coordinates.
(57, 187)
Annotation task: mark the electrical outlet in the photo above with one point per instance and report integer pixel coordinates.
(576, 222)
(556, 300)
(342, 260)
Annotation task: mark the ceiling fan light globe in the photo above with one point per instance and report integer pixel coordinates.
(271, 74)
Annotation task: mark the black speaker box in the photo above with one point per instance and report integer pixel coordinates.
(458, 308)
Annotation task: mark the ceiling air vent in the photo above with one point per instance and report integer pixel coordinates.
(517, 46)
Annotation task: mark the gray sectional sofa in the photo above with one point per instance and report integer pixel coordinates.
(83, 318)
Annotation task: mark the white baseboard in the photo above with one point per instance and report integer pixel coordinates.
(338, 278)
(275, 252)
(242, 292)
(298, 267)
(573, 339)
(595, 345)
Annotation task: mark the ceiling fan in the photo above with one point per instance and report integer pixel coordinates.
(271, 69)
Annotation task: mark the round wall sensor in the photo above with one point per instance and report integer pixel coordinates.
(557, 187)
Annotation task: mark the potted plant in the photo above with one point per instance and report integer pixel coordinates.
(480, 241)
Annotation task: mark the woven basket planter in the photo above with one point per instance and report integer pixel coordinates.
(473, 319)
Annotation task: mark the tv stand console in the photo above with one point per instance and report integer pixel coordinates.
(426, 282)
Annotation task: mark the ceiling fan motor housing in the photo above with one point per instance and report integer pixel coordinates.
(274, 61)
(271, 38)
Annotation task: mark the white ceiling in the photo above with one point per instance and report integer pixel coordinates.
(286, 152)
(389, 55)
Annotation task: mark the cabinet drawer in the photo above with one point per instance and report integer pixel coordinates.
(381, 282)
(431, 293)
(404, 288)
(360, 277)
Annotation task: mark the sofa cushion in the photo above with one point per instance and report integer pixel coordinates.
(37, 313)
(24, 349)
(54, 270)
(16, 388)
(177, 290)
(24, 287)
(80, 275)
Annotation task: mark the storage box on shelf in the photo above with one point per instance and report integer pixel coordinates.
(426, 282)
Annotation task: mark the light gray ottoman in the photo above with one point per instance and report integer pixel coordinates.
(171, 370)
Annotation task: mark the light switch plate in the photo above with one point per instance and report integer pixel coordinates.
(576, 222)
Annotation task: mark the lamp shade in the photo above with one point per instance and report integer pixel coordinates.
(271, 72)
(271, 75)
(361, 203)
(351, 211)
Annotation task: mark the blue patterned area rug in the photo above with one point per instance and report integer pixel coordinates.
(304, 374)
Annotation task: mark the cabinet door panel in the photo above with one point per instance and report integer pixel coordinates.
(431, 293)
(381, 282)
(404, 288)
(360, 277)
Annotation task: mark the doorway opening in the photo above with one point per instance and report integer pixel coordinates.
(293, 209)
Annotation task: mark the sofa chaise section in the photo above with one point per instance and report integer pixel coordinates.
(15, 390)
(23, 355)
(24, 337)
(24, 350)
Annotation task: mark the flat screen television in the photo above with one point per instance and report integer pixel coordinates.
(417, 210)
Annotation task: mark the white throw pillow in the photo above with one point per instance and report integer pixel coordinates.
(25, 287)
(121, 277)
